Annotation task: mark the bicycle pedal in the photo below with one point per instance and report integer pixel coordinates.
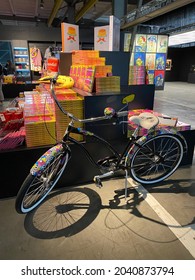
(98, 182)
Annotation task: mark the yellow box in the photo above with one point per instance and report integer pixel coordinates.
(73, 106)
(40, 132)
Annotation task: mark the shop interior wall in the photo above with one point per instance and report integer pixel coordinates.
(41, 33)
(41, 37)
(42, 46)
(182, 59)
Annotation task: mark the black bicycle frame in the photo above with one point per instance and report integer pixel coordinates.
(81, 131)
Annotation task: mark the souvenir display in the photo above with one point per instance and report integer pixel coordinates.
(148, 51)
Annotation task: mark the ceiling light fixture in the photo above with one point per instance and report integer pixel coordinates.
(182, 38)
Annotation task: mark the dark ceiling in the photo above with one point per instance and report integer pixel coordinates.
(52, 13)
(88, 13)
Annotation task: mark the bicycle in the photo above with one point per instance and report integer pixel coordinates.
(148, 159)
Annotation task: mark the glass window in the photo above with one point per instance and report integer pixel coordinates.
(5, 52)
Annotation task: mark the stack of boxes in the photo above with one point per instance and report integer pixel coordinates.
(107, 84)
(44, 123)
(73, 104)
(87, 58)
(39, 119)
(103, 71)
(88, 68)
(83, 76)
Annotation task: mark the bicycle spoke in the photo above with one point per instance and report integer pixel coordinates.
(33, 196)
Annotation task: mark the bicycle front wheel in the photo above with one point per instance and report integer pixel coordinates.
(156, 159)
(36, 187)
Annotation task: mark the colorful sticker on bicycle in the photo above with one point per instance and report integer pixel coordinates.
(109, 111)
(45, 159)
(85, 132)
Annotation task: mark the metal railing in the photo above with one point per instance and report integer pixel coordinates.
(145, 10)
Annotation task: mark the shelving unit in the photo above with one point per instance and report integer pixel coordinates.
(21, 60)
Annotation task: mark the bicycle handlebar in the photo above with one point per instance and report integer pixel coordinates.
(122, 114)
(94, 119)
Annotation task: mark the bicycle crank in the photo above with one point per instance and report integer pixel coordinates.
(97, 179)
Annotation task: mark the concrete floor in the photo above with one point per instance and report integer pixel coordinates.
(157, 223)
(177, 100)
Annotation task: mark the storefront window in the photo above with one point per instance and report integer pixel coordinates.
(5, 52)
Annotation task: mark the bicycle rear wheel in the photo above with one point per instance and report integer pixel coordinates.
(36, 187)
(156, 159)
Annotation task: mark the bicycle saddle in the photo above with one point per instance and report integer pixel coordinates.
(145, 120)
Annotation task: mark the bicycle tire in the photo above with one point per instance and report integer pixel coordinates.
(37, 186)
(156, 159)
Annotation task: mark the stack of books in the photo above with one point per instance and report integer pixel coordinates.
(137, 75)
(107, 84)
(73, 104)
(39, 119)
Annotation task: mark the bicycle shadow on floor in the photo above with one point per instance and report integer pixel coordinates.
(134, 199)
(68, 211)
(174, 186)
(65, 212)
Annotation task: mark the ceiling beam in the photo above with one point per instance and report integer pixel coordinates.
(84, 9)
(158, 12)
(12, 7)
(107, 8)
(36, 8)
(55, 9)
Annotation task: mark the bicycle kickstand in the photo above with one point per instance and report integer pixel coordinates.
(97, 179)
(126, 176)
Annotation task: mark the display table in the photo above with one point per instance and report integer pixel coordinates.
(95, 105)
(13, 90)
(17, 163)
